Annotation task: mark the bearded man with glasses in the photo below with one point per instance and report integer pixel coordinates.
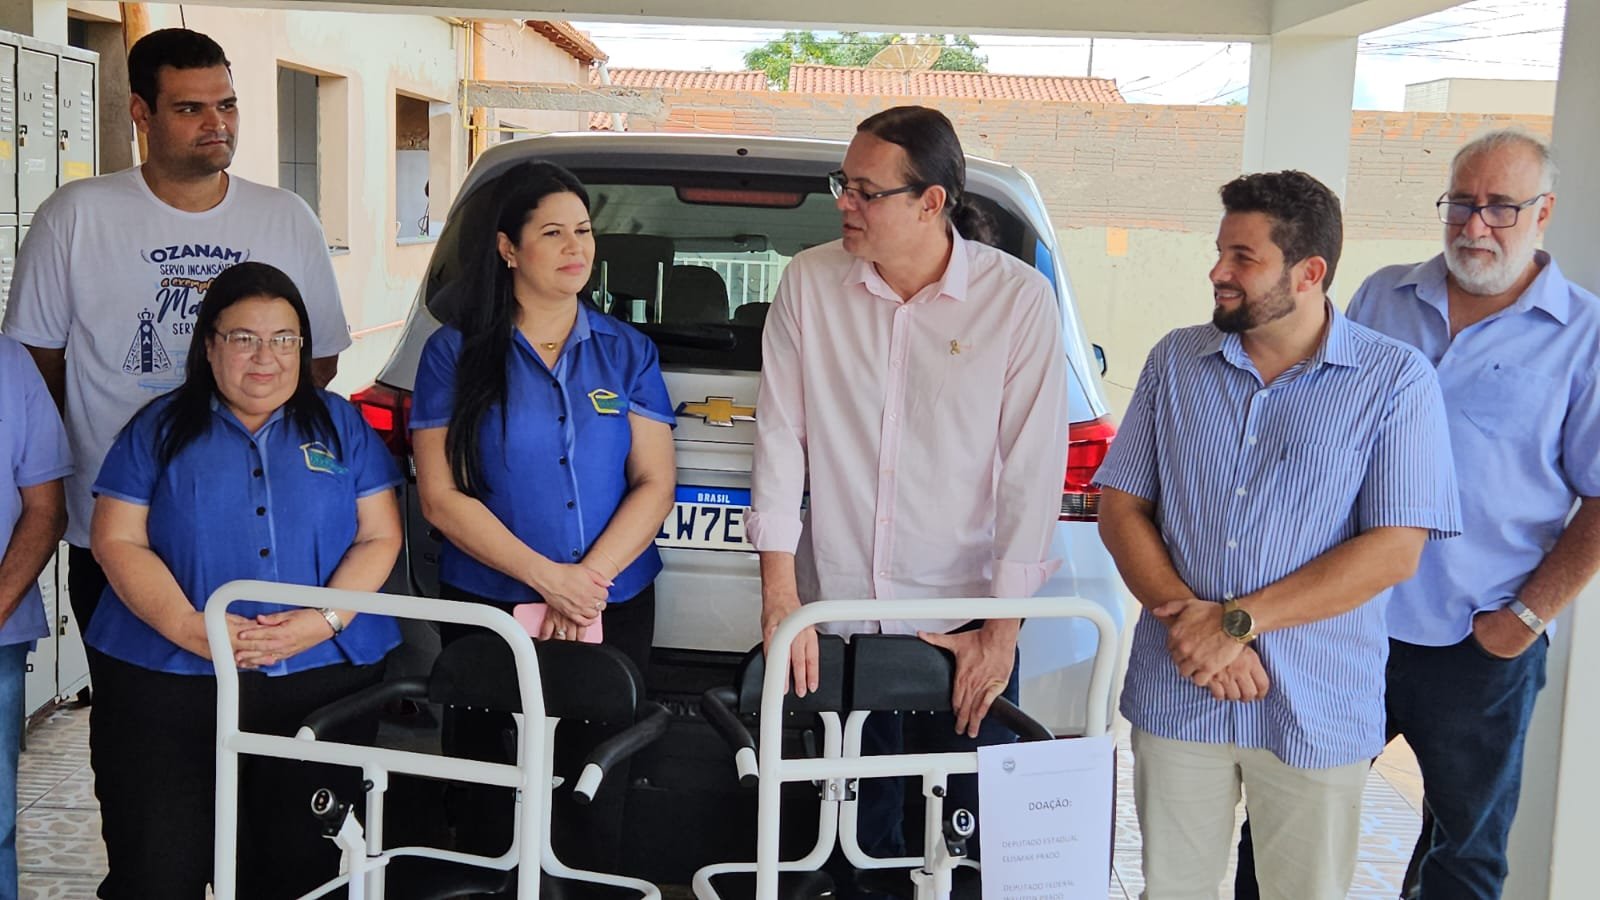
(1517, 349)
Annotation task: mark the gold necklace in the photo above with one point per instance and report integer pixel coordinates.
(550, 345)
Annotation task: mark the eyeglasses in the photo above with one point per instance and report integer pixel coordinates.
(1494, 215)
(840, 186)
(246, 343)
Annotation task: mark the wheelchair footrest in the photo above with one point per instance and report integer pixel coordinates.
(965, 884)
(419, 878)
(791, 885)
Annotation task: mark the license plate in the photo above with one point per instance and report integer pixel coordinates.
(707, 519)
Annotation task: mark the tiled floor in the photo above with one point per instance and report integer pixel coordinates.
(58, 823)
(58, 826)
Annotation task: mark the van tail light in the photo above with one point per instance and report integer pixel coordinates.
(1087, 443)
(388, 411)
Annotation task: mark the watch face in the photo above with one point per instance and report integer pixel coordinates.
(1237, 623)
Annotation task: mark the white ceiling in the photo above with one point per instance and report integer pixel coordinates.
(1212, 19)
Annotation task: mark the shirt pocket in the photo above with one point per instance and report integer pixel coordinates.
(1320, 479)
(1506, 401)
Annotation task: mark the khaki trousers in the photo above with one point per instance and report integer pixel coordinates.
(1306, 823)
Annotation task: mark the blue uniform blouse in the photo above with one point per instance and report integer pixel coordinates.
(279, 505)
(557, 471)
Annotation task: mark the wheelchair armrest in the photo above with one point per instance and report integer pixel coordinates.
(619, 747)
(717, 706)
(1027, 727)
(367, 701)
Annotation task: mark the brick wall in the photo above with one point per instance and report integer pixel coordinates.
(1128, 165)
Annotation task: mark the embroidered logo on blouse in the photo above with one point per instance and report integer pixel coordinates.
(320, 459)
(606, 403)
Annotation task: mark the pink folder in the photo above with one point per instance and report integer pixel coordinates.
(531, 617)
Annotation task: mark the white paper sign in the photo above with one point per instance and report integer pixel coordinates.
(1045, 818)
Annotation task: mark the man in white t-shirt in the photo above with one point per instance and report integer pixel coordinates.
(113, 268)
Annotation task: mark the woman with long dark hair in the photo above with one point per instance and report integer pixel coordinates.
(246, 470)
(542, 433)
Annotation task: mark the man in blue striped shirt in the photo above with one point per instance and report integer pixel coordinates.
(1277, 472)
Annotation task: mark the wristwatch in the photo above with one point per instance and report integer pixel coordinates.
(334, 622)
(1237, 623)
(1528, 616)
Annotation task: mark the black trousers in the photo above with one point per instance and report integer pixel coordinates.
(86, 581)
(152, 742)
(585, 837)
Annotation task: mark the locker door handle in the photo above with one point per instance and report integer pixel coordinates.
(22, 135)
(65, 139)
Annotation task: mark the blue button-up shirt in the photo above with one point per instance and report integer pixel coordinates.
(33, 450)
(557, 471)
(278, 505)
(1524, 413)
(1253, 481)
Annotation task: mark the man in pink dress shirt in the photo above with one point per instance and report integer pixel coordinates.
(918, 380)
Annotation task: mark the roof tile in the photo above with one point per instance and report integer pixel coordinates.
(701, 80)
(669, 78)
(815, 79)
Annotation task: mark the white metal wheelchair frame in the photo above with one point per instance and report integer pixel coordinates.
(530, 775)
(841, 761)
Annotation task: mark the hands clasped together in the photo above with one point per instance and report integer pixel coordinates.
(271, 638)
(575, 596)
(1206, 655)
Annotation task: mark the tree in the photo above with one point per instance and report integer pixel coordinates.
(852, 48)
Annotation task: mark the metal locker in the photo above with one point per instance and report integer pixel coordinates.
(37, 127)
(79, 126)
(72, 661)
(8, 258)
(39, 684)
(8, 131)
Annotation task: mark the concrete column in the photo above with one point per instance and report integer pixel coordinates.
(43, 19)
(1301, 91)
(1553, 843)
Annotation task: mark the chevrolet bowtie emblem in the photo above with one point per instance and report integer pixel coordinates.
(719, 411)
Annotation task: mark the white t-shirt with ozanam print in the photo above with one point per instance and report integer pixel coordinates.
(116, 276)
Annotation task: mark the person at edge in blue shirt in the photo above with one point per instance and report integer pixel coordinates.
(33, 515)
(542, 433)
(1278, 472)
(1517, 348)
(246, 470)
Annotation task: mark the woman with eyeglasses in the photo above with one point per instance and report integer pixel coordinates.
(246, 470)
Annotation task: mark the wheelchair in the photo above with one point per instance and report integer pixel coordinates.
(872, 675)
(500, 670)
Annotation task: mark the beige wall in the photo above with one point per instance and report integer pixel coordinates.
(513, 52)
(362, 60)
(1482, 95)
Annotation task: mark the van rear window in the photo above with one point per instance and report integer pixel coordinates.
(690, 259)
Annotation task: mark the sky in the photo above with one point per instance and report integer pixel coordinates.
(1516, 39)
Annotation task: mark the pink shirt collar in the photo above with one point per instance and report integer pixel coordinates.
(952, 284)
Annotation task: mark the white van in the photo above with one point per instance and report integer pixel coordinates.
(692, 233)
